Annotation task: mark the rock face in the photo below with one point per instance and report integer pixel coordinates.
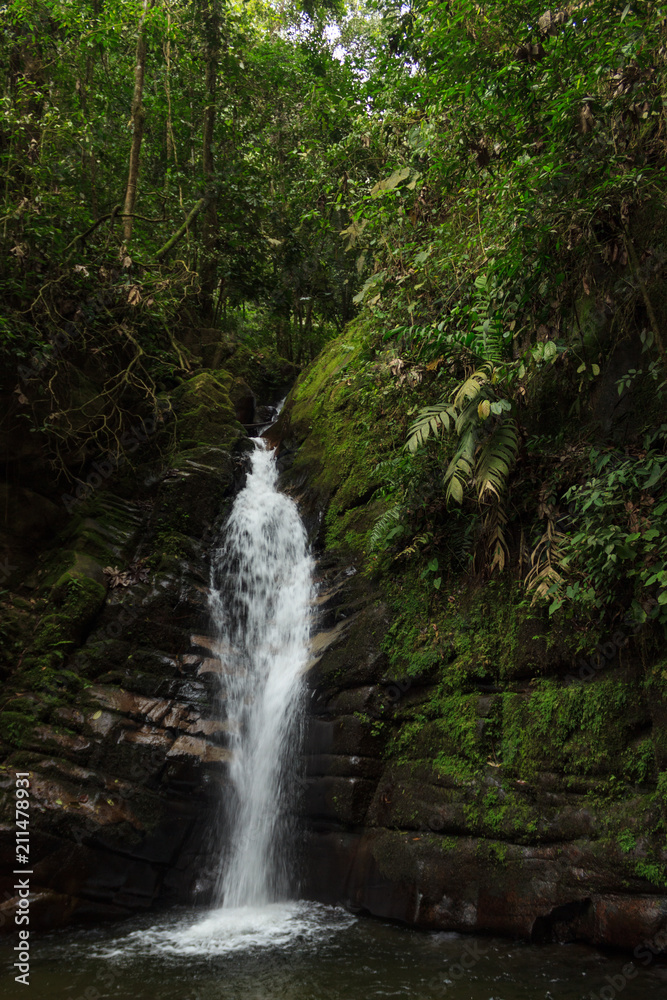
(464, 770)
(398, 840)
(110, 705)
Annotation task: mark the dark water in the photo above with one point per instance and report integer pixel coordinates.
(301, 951)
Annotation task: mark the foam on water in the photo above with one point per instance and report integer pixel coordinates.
(225, 931)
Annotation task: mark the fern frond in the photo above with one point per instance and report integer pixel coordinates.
(460, 538)
(493, 345)
(460, 469)
(429, 420)
(383, 525)
(496, 458)
(495, 523)
(546, 560)
(417, 542)
(472, 386)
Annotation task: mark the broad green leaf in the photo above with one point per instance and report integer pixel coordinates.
(656, 471)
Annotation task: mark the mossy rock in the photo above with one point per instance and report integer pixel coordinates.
(577, 729)
(17, 727)
(82, 567)
(204, 411)
(243, 401)
(264, 371)
(333, 415)
(193, 494)
(75, 602)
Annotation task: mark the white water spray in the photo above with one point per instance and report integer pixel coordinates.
(260, 599)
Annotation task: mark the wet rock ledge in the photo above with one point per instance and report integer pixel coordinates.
(111, 679)
(397, 839)
(459, 775)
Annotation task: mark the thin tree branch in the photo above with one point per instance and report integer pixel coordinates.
(182, 230)
(115, 214)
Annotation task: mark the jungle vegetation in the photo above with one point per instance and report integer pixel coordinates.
(480, 186)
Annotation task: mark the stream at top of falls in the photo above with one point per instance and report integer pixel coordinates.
(256, 943)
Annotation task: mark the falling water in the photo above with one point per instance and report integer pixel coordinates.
(261, 596)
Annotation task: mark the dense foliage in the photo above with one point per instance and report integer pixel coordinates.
(483, 181)
(518, 241)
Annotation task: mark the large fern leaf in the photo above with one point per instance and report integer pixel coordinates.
(431, 419)
(468, 415)
(496, 458)
(383, 525)
(472, 386)
(460, 469)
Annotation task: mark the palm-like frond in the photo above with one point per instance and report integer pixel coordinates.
(460, 469)
(497, 547)
(431, 419)
(546, 559)
(384, 524)
(496, 458)
(472, 386)
(488, 443)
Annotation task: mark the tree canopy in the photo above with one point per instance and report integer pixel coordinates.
(482, 181)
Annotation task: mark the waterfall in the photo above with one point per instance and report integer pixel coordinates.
(261, 583)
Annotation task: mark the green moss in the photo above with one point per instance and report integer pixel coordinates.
(16, 727)
(413, 645)
(74, 603)
(651, 871)
(489, 633)
(446, 729)
(581, 729)
(336, 409)
(173, 543)
(204, 412)
(503, 813)
(496, 850)
(263, 370)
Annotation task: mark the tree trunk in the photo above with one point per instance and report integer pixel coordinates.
(171, 141)
(89, 162)
(138, 116)
(208, 272)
